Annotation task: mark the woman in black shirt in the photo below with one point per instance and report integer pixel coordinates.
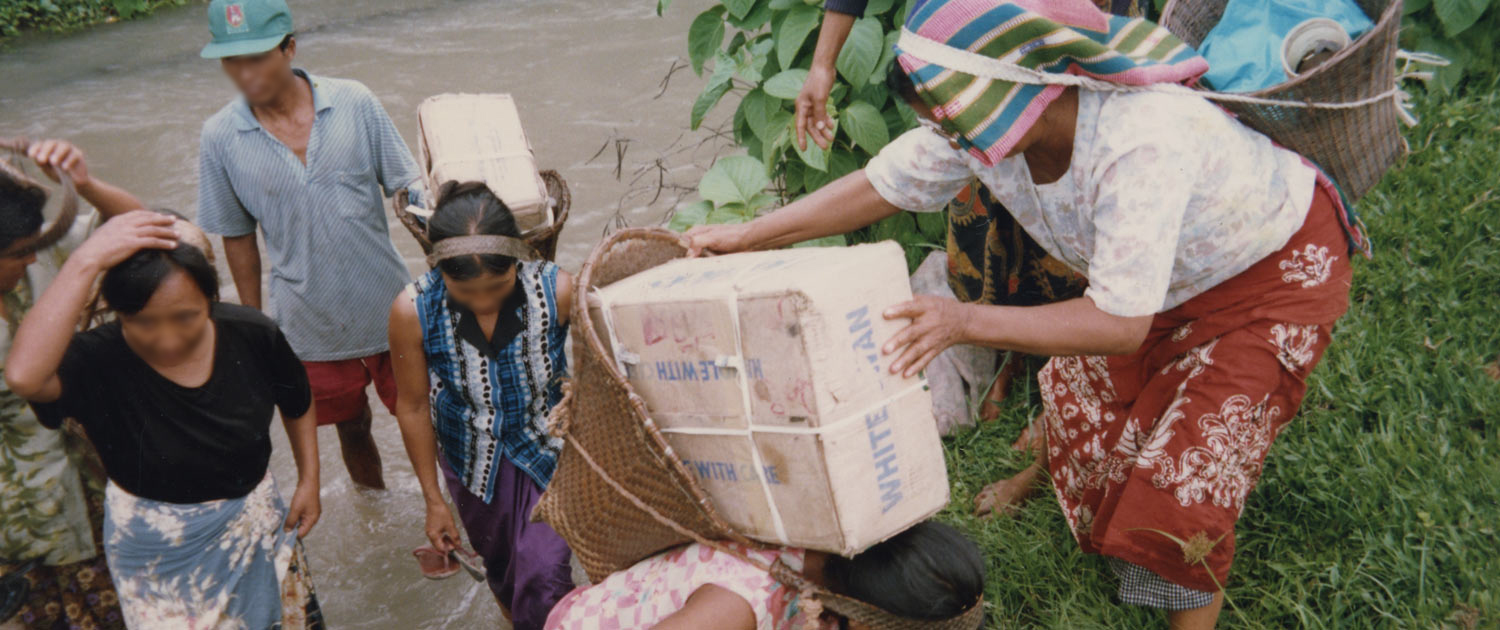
(177, 396)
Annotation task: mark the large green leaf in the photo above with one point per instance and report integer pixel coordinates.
(1458, 15)
(793, 30)
(734, 179)
(814, 156)
(706, 101)
(934, 225)
(785, 84)
(866, 126)
(856, 62)
(887, 57)
(739, 8)
(687, 216)
(705, 35)
(731, 213)
(759, 14)
(878, 7)
(758, 107)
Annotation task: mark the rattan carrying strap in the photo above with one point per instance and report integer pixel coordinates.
(51, 234)
(480, 245)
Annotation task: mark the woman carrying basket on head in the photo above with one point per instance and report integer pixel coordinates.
(478, 349)
(1217, 264)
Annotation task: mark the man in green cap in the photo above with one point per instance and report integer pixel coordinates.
(306, 159)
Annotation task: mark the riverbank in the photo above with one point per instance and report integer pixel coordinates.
(1377, 505)
(20, 16)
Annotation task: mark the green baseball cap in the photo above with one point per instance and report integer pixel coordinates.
(246, 27)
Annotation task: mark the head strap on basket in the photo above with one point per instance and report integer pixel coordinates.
(815, 599)
(64, 221)
(479, 245)
(458, 246)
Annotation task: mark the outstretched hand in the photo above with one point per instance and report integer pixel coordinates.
(936, 324)
(127, 234)
(716, 239)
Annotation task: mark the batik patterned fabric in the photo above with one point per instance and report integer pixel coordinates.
(645, 594)
(1058, 36)
(221, 565)
(992, 260)
(1153, 455)
(484, 408)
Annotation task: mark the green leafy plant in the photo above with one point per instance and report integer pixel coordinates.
(1464, 31)
(64, 15)
(760, 51)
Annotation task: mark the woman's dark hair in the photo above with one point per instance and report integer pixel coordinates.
(928, 572)
(128, 286)
(21, 206)
(467, 209)
(900, 83)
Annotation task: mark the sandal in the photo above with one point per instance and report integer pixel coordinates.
(435, 564)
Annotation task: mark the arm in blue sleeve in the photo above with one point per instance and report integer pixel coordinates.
(394, 165)
(219, 208)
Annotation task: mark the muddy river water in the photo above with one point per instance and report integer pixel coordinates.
(587, 75)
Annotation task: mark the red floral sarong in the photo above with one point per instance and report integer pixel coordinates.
(1172, 438)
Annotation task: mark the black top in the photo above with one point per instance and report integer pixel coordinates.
(507, 324)
(855, 8)
(165, 442)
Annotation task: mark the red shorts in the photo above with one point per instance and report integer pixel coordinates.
(338, 387)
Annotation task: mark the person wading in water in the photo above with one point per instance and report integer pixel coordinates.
(306, 159)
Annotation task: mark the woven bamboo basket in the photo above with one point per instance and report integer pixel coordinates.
(543, 239)
(1354, 146)
(619, 494)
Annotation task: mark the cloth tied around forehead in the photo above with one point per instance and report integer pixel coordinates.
(479, 245)
(981, 64)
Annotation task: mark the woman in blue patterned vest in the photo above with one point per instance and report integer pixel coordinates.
(478, 349)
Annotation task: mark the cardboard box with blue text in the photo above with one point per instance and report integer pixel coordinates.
(765, 374)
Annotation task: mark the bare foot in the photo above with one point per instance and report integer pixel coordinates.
(1032, 437)
(989, 409)
(1005, 497)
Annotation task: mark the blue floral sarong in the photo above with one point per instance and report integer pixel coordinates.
(220, 565)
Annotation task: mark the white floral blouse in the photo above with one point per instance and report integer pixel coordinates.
(1166, 196)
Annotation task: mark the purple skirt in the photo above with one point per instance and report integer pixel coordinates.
(527, 564)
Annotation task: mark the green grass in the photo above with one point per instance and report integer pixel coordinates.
(1380, 503)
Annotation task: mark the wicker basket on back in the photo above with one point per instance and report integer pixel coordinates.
(619, 494)
(543, 239)
(1355, 146)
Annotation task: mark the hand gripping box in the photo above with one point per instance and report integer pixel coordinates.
(764, 372)
(478, 137)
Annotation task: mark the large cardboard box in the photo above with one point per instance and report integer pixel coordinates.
(478, 137)
(764, 372)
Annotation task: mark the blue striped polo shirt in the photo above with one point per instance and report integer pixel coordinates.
(334, 270)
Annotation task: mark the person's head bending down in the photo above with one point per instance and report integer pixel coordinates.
(480, 282)
(930, 572)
